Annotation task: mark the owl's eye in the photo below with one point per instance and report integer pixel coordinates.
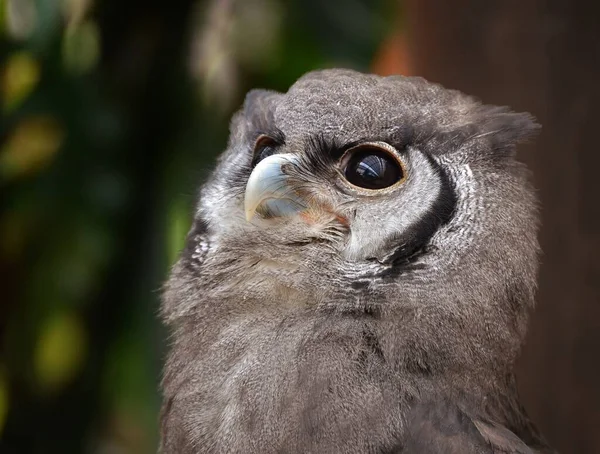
(265, 146)
(371, 167)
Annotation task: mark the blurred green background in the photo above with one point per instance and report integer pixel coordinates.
(112, 113)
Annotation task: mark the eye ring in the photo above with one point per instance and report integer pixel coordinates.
(372, 167)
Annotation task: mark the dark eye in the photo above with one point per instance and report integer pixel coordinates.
(371, 167)
(265, 146)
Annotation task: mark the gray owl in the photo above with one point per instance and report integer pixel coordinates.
(357, 278)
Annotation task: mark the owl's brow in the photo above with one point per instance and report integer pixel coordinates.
(273, 133)
(332, 147)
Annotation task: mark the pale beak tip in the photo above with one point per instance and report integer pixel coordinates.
(249, 207)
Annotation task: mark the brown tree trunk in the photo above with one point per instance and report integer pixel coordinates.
(542, 57)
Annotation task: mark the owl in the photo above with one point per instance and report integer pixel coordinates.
(357, 278)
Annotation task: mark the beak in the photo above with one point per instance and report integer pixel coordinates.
(268, 191)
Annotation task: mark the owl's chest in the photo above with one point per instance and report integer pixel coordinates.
(273, 387)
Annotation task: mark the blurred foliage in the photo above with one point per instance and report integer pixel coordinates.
(112, 113)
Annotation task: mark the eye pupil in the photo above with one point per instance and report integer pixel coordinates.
(372, 168)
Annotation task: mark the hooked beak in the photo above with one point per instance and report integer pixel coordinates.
(268, 191)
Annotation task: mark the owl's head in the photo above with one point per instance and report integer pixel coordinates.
(355, 192)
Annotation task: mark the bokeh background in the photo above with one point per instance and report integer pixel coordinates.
(112, 112)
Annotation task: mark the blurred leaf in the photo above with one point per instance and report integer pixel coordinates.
(81, 47)
(2, 15)
(75, 10)
(21, 18)
(258, 48)
(47, 27)
(19, 78)
(3, 398)
(60, 351)
(30, 147)
(212, 59)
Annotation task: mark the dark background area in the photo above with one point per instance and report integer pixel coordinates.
(112, 114)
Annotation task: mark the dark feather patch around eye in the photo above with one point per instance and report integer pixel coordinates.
(414, 242)
(266, 143)
(326, 148)
(322, 152)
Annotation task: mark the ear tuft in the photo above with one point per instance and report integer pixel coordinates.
(503, 127)
(259, 108)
